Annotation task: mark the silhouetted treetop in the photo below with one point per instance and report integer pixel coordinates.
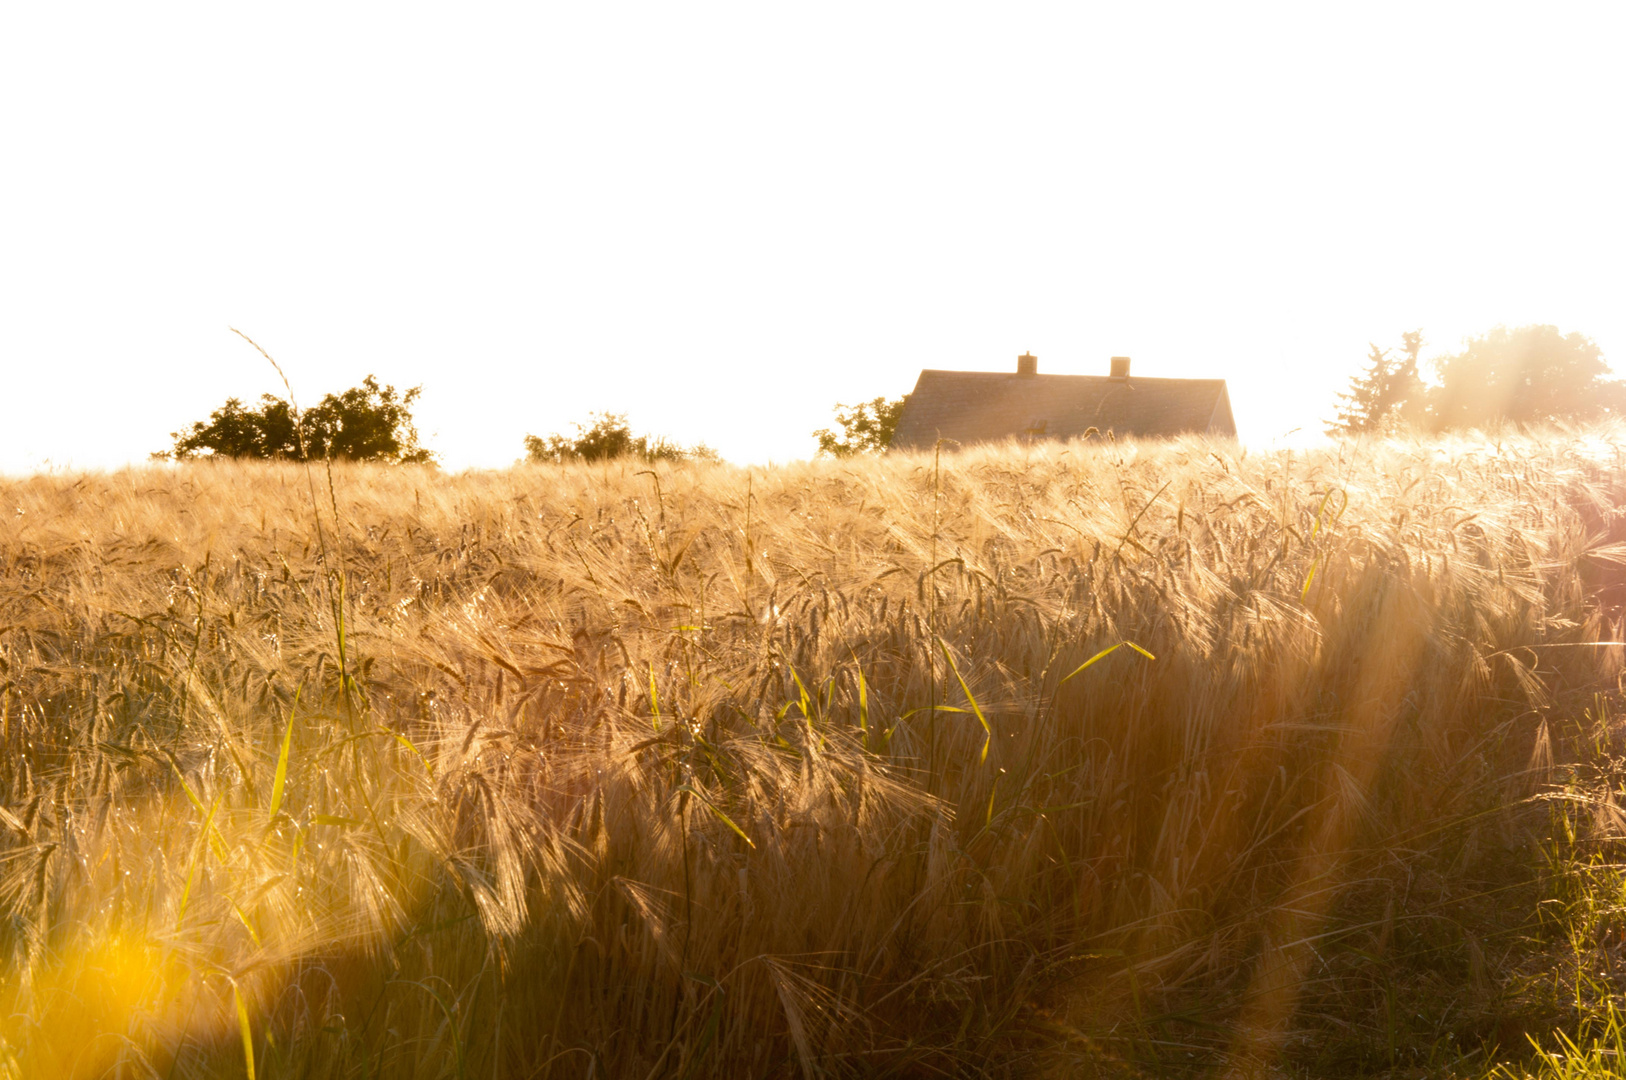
(365, 423)
(866, 428)
(610, 436)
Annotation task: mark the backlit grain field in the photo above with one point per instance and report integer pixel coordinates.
(1048, 761)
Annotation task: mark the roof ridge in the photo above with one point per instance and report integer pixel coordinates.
(1069, 375)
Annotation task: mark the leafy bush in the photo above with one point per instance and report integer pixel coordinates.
(866, 428)
(365, 423)
(610, 436)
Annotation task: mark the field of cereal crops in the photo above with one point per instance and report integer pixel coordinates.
(1065, 760)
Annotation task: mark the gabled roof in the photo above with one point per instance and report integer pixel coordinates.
(984, 406)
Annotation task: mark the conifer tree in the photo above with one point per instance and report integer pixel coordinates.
(1388, 395)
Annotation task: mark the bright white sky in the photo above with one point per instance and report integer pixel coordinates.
(722, 220)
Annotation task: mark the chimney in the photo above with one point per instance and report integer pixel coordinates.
(1027, 364)
(1120, 367)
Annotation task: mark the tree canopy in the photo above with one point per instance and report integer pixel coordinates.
(1527, 375)
(866, 428)
(607, 436)
(365, 423)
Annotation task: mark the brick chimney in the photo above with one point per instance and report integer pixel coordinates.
(1027, 364)
(1120, 367)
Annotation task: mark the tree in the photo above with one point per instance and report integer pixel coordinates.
(866, 428)
(1387, 396)
(610, 436)
(1532, 374)
(365, 423)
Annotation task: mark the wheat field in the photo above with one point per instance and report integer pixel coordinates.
(1057, 760)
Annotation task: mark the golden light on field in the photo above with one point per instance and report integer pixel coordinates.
(1118, 757)
(911, 762)
(93, 1006)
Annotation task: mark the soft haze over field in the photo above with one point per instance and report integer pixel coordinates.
(723, 219)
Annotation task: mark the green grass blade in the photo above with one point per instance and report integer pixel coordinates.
(654, 700)
(932, 708)
(245, 1028)
(863, 706)
(197, 858)
(410, 745)
(282, 758)
(724, 818)
(801, 694)
(242, 917)
(216, 841)
(1103, 654)
(981, 719)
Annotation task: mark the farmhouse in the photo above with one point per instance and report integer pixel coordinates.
(986, 406)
